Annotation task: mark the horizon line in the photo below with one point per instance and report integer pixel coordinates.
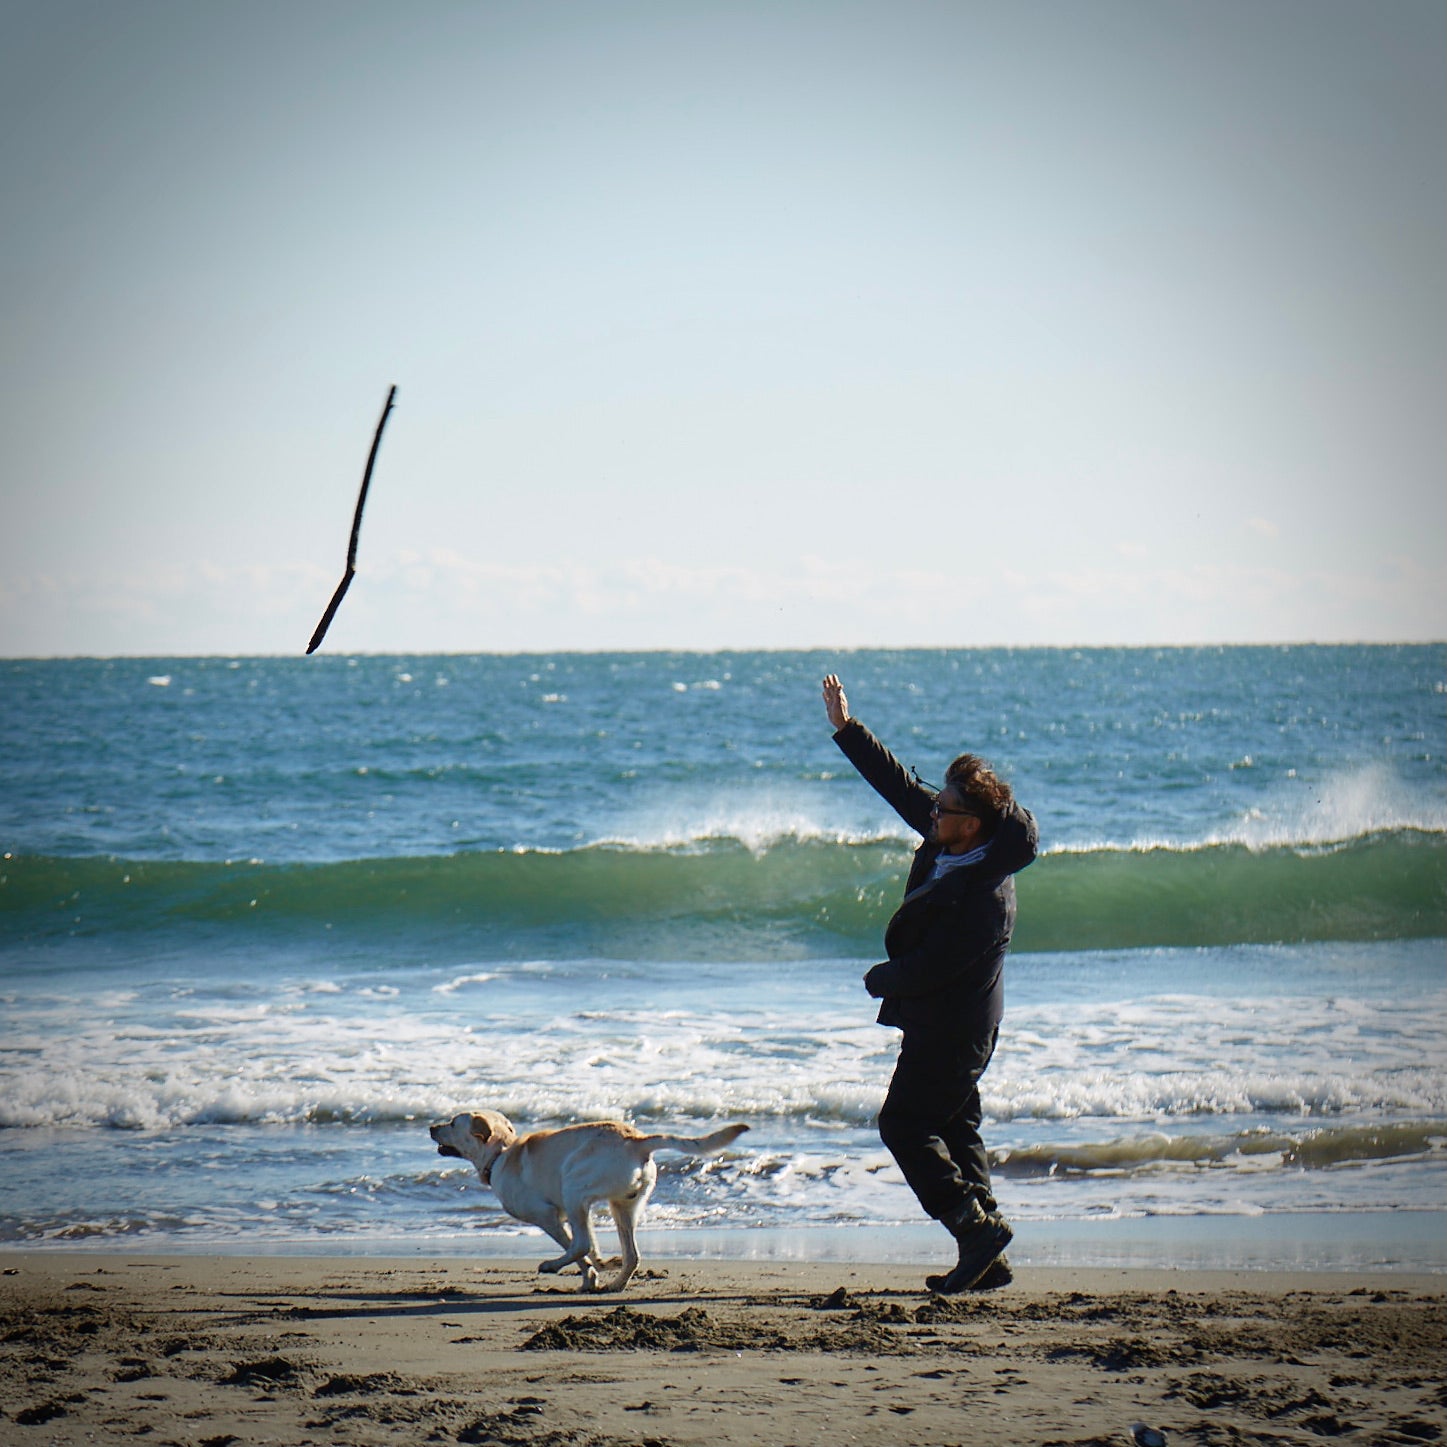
(302, 656)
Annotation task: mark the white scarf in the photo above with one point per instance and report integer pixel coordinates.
(946, 862)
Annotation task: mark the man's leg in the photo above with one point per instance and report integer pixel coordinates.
(962, 1139)
(930, 1121)
(966, 1148)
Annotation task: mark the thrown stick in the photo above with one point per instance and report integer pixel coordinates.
(356, 529)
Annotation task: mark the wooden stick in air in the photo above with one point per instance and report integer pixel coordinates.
(356, 530)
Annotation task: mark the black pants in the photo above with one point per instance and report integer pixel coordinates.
(930, 1120)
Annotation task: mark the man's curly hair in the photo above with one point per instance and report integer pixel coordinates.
(983, 789)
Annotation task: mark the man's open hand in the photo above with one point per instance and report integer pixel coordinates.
(835, 704)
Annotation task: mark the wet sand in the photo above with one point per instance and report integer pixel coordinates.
(221, 1350)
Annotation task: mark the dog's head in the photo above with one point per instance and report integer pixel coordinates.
(479, 1136)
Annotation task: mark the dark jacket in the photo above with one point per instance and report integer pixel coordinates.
(947, 941)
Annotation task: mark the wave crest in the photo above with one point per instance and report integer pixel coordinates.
(721, 900)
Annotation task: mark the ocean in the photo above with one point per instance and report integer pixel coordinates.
(262, 920)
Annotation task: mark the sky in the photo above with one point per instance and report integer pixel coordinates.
(721, 325)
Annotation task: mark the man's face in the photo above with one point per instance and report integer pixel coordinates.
(956, 830)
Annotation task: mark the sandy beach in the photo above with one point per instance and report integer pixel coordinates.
(210, 1351)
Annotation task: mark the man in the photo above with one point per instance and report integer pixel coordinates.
(942, 984)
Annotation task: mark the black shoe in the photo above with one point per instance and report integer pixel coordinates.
(982, 1239)
(997, 1274)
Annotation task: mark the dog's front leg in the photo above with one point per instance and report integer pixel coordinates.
(577, 1246)
(584, 1248)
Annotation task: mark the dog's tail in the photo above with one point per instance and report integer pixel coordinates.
(706, 1145)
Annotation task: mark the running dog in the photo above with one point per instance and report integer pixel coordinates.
(553, 1178)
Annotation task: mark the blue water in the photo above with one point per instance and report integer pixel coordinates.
(261, 920)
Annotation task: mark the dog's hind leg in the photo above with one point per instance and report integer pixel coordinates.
(626, 1211)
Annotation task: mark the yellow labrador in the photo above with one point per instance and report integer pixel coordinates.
(553, 1178)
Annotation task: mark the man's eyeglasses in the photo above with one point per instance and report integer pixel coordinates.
(938, 808)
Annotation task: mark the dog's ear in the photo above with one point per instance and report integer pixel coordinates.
(481, 1130)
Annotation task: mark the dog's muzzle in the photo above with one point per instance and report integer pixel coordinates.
(443, 1149)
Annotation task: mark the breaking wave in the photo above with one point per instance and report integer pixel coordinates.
(718, 898)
